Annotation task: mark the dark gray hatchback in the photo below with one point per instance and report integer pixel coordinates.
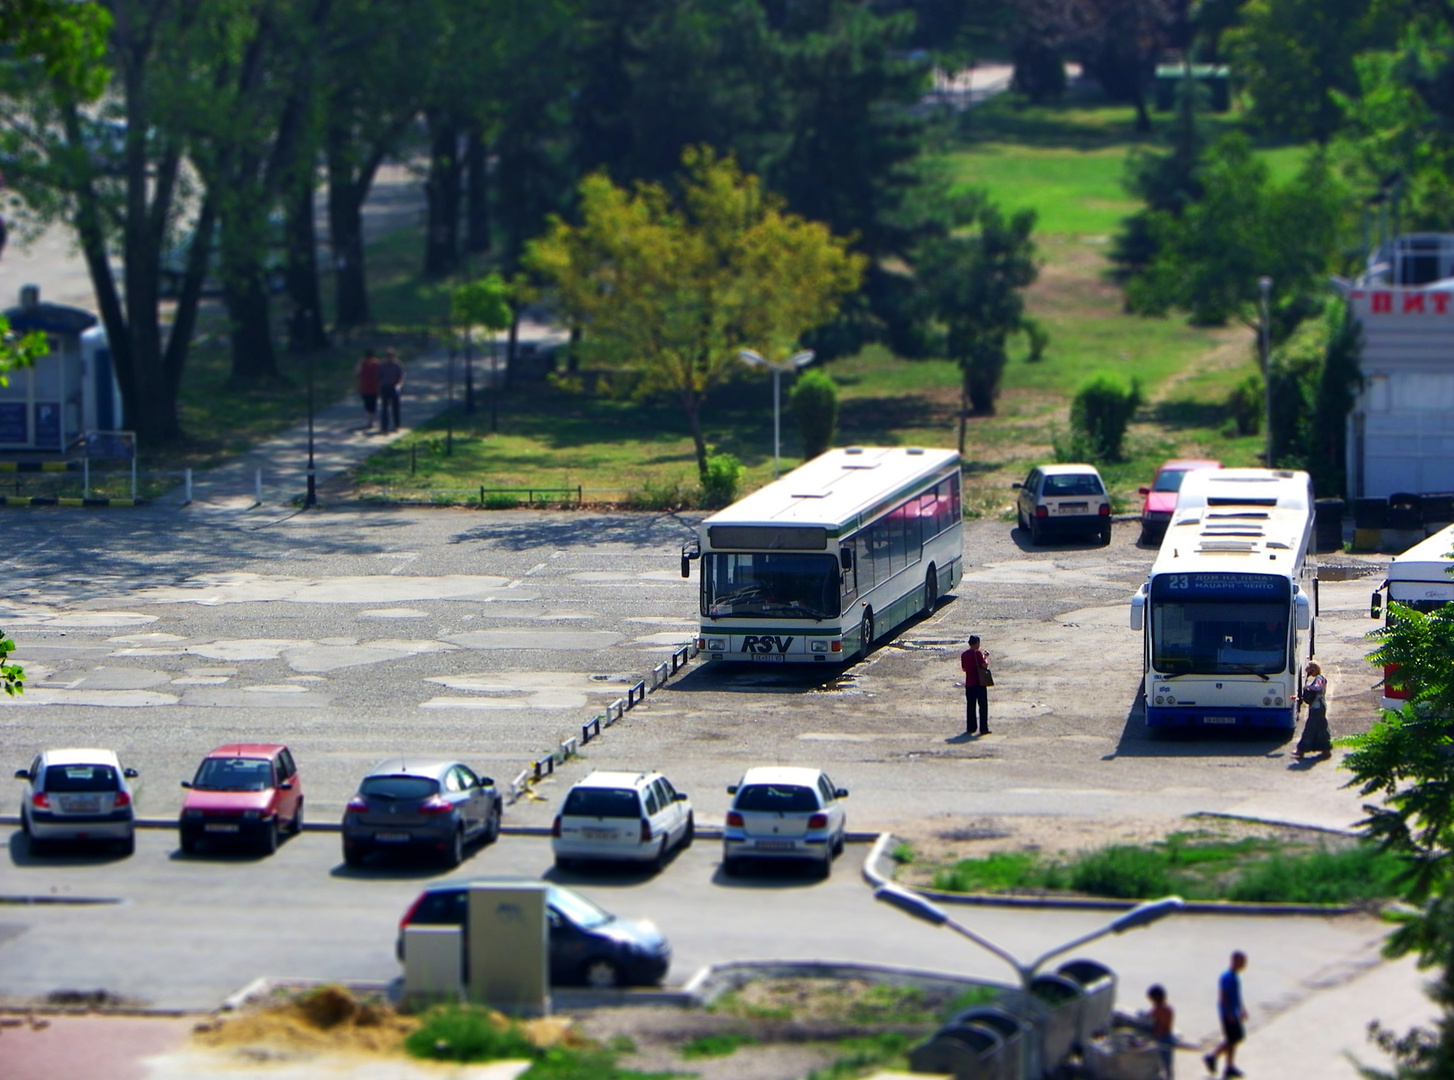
(430, 806)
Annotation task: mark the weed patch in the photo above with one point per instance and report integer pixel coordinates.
(721, 1045)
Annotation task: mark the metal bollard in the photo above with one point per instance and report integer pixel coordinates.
(545, 766)
(615, 711)
(567, 749)
(658, 676)
(86, 471)
(636, 695)
(591, 729)
(188, 488)
(257, 482)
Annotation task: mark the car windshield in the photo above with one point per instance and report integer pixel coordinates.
(776, 799)
(81, 778)
(1071, 484)
(398, 787)
(771, 583)
(1169, 479)
(577, 909)
(234, 774)
(602, 803)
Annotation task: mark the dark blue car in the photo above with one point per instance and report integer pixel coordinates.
(588, 945)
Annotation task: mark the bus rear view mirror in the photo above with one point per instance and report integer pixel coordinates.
(845, 558)
(1375, 606)
(686, 567)
(1304, 611)
(1138, 609)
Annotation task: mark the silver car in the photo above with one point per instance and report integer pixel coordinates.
(421, 805)
(784, 813)
(77, 795)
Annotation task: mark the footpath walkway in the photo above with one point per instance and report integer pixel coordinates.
(340, 440)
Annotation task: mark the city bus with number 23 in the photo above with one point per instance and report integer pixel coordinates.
(1227, 613)
(817, 565)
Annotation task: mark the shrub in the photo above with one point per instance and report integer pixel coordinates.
(1321, 877)
(1129, 873)
(1039, 339)
(723, 1044)
(1100, 411)
(814, 402)
(666, 495)
(461, 1033)
(1245, 405)
(999, 870)
(500, 500)
(722, 480)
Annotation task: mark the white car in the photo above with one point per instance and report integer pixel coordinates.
(1055, 500)
(784, 813)
(77, 795)
(622, 816)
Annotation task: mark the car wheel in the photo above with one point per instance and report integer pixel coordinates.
(865, 634)
(189, 843)
(25, 823)
(825, 865)
(128, 845)
(601, 974)
(659, 863)
(1105, 534)
(1147, 539)
(492, 830)
(838, 845)
(270, 837)
(730, 866)
(931, 590)
(296, 825)
(454, 854)
(1037, 535)
(39, 846)
(355, 855)
(563, 863)
(691, 831)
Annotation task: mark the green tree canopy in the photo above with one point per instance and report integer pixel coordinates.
(671, 288)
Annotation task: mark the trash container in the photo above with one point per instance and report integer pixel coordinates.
(1438, 511)
(1098, 983)
(1060, 1000)
(1328, 525)
(967, 1052)
(1013, 1033)
(1370, 513)
(1122, 1056)
(1405, 511)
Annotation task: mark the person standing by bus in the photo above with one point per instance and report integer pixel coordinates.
(975, 663)
(1316, 739)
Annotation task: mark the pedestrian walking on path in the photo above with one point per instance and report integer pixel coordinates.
(975, 663)
(391, 383)
(1233, 1015)
(368, 386)
(1316, 739)
(1163, 1020)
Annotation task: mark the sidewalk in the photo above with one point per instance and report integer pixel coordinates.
(339, 438)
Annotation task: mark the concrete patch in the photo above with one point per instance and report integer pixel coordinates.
(572, 640)
(525, 690)
(323, 657)
(208, 697)
(95, 620)
(112, 699)
(275, 688)
(122, 679)
(666, 637)
(201, 680)
(154, 638)
(394, 613)
(246, 648)
(245, 588)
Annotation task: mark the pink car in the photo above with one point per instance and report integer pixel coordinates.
(1161, 496)
(242, 793)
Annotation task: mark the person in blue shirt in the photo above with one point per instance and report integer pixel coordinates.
(1233, 1014)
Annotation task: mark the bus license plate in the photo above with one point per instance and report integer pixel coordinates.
(775, 658)
(1219, 720)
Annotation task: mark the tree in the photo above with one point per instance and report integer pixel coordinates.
(67, 37)
(1295, 56)
(1209, 257)
(973, 283)
(114, 173)
(672, 287)
(12, 676)
(814, 400)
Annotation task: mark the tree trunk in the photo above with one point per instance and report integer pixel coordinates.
(244, 290)
(1138, 98)
(512, 349)
(692, 406)
(345, 230)
(305, 328)
(441, 240)
(963, 412)
(477, 210)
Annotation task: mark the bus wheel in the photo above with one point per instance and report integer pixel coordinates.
(865, 633)
(931, 590)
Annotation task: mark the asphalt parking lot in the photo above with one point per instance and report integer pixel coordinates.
(357, 635)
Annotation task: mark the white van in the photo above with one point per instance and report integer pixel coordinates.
(1420, 579)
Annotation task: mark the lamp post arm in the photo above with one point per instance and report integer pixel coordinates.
(1084, 939)
(1024, 973)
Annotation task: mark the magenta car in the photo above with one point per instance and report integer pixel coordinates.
(243, 793)
(1161, 496)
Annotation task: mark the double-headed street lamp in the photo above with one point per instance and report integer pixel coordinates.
(1264, 346)
(911, 903)
(793, 363)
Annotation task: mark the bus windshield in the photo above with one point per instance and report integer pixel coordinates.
(770, 583)
(1205, 627)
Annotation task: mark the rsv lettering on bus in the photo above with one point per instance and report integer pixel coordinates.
(765, 643)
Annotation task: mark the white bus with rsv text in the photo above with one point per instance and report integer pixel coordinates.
(1227, 613)
(815, 566)
(1418, 579)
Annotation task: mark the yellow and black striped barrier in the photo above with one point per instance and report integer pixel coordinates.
(55, 500)
(39, 466)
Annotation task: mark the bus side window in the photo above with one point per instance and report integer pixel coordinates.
(956, 511)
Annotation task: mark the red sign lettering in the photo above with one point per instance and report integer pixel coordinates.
(1441, 302)
(1382, 303)
(1413, 303)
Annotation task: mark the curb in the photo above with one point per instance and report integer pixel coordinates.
(39, 466)
(872, 875)
(52, 500)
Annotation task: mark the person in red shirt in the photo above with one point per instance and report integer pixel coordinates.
(975, 663)
(368, 386)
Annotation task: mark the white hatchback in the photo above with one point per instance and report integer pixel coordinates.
(622, 816)
(784, 813)
(77, 795)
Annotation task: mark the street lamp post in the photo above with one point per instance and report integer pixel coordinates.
(1264, 344)
(310, 500)
(793, 363)
(911, 903)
